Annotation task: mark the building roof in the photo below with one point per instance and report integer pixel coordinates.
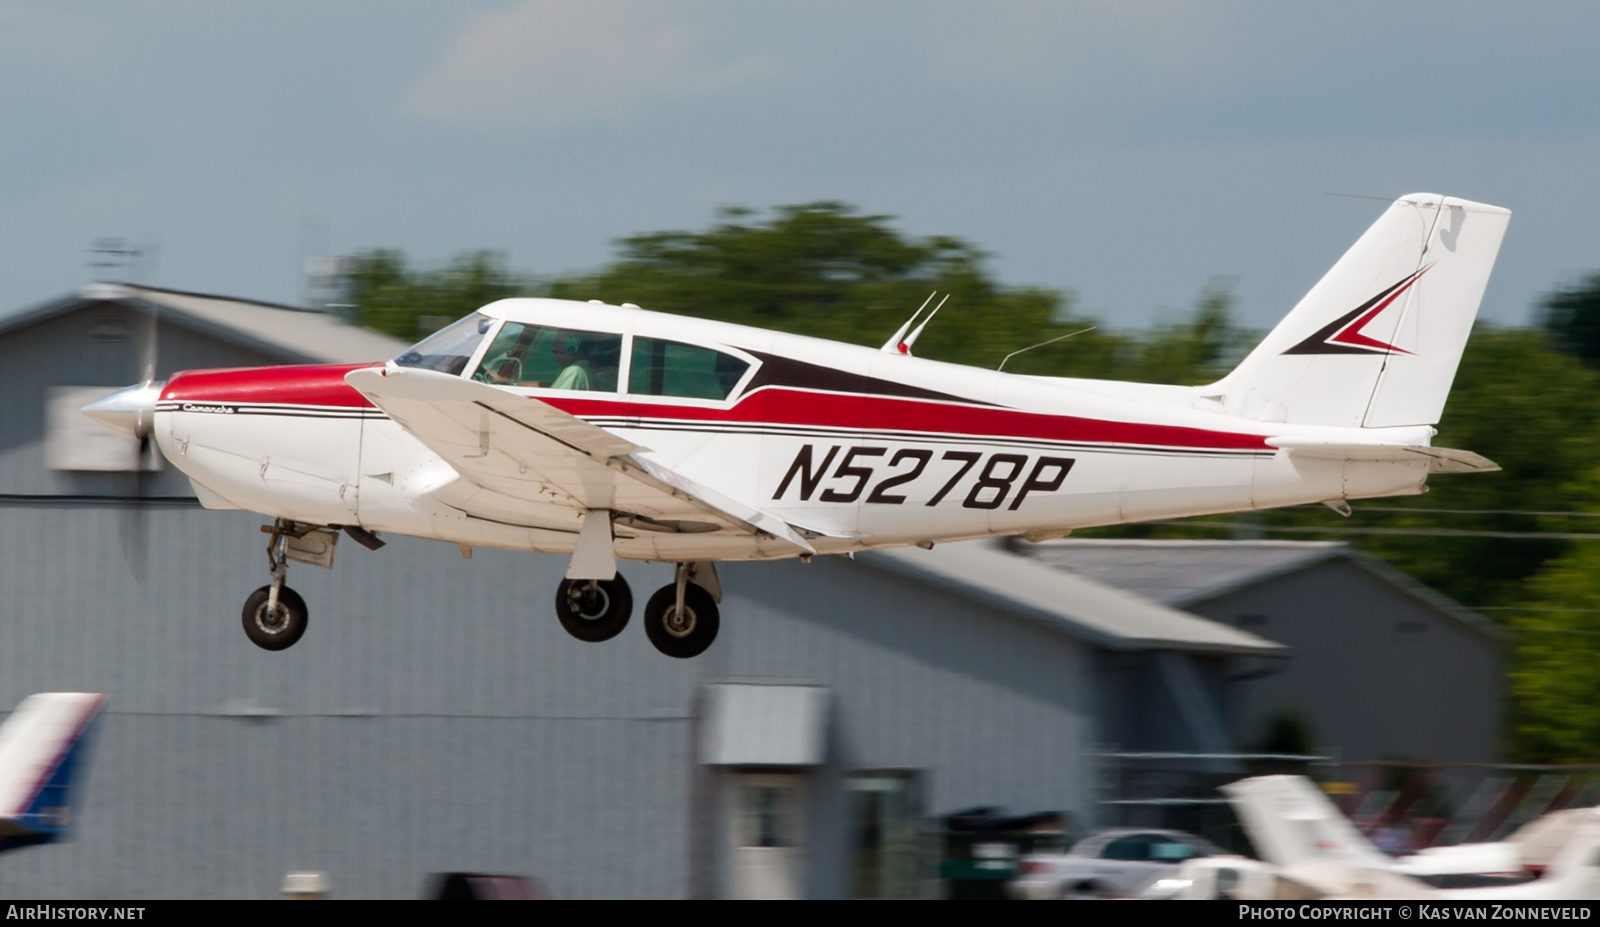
(1178, 573)
(987, 573)
(295, 335)
(1183, 573)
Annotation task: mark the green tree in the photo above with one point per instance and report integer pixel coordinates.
(1555, 682)
(1571, 317)
(391, 296)
(825, 270)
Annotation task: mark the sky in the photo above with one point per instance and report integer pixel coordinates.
(1126, 152)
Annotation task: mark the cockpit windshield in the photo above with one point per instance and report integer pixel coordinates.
(448, 349)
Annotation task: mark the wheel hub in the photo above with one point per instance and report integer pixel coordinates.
(589, 604)
(272, 621)
(679, 622)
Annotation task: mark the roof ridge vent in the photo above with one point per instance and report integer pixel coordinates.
(105, 291)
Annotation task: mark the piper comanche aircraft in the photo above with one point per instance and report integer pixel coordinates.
(604, 431)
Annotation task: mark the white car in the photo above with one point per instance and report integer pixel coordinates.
(1111, 864)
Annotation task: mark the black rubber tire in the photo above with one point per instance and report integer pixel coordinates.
(681, 639)
(595, 618)
(282, 633)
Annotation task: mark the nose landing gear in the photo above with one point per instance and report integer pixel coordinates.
(274, 616)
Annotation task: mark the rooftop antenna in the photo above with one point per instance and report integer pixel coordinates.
(901, 343)
(109, 255)
(1040, 345)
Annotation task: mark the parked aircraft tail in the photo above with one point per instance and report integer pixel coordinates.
(1376, 342)
(41, 753)
(1291, 822)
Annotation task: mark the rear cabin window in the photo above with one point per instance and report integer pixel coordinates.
(552, 358)
(669, 368)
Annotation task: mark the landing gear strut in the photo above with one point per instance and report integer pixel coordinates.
(274, 616)
(681, 618)
(594, 610)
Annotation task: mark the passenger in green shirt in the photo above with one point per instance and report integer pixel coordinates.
(572, 352)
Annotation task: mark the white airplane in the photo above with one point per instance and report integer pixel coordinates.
(605, 431)
(1297, 830)
(42, 746)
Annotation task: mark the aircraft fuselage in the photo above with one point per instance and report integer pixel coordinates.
(856, 447)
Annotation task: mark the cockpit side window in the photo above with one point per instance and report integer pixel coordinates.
(552, 358)
(448, 349)
(668, 368)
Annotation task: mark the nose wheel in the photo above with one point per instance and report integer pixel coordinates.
(594, 610)
(681, 618)
(274, 625)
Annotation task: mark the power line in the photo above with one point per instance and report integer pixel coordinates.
(1407, 508)
(1531, 608)
(1404, 532)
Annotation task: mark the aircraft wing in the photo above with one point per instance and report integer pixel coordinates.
(41, 748)
(520, 447)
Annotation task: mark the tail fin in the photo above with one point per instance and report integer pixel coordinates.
(1290, 821)
(1376, 342)
(41, 753)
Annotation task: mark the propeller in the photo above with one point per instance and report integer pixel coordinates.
(136, 529)
(132, 411)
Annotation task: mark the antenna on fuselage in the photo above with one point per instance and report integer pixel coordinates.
(1040, 345)
(901, 342)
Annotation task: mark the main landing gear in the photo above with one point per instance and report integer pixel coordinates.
(594, 610)
(680, 619)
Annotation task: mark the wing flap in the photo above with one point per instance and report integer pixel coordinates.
(518, 447)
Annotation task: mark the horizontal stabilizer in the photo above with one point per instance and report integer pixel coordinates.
(41, 754)
(1440, 459)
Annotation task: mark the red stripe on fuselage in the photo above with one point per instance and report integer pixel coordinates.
(325, 386)
(777, 406)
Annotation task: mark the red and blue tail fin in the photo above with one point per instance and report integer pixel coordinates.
(43, 747)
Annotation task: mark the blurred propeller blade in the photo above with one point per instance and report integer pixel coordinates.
(135, 527)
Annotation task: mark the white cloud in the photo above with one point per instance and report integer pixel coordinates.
(551, 62)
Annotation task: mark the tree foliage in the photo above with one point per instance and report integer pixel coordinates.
(389, 295)
(1571, 317)
(825, 270)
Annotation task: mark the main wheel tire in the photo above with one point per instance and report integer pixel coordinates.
(279, 630)
(686, 635)
(594, 614)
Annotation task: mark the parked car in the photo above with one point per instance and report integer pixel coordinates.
(1220, 878)
(1111, 864)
